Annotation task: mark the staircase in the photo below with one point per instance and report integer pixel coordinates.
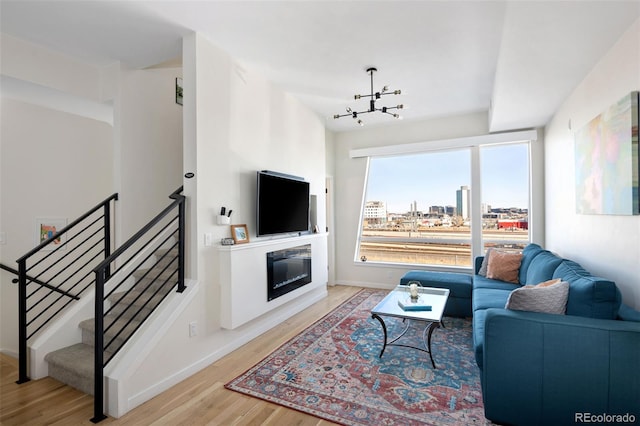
(74, 365)
(128, 284)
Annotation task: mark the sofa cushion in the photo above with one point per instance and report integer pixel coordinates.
(483, 282)
(589, 296)
(550, 299)
(504, 266)
(542, 267)
(528, 254)
(484, 298)
(627, 313)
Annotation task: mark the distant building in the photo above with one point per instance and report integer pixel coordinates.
(375, 212)
(463, 202)
(513, 224)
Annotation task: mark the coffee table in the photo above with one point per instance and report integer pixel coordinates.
(389, 308)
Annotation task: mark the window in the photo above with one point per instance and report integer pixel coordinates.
(420, 207)
(505, 195)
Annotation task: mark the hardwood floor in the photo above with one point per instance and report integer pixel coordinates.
(200, 399)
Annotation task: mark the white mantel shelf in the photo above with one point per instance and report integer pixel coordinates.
(243, 277)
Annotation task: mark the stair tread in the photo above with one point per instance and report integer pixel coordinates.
(130, 299)
(90, 324)
(77, 358)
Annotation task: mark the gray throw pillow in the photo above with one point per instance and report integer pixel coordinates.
(485, 264)
(551, 299)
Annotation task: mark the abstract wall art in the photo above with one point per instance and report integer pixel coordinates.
(607, 167)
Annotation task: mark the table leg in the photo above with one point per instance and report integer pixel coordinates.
(384, 331)
(429, 331)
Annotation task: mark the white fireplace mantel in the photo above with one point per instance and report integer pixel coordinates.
(243, 277)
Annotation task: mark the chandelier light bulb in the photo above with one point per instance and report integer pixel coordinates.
(400, 106)
(397, 92)
(360, 123)
(349, 110)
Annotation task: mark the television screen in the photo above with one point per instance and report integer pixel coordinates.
(282, 204)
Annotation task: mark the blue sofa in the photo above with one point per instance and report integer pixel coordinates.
(543, 369)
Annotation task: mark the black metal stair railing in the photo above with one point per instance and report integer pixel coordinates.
(59, 270)
(132, 282)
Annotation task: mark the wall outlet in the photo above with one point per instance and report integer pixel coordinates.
(193, 328)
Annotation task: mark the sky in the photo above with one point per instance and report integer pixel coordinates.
(432, 178)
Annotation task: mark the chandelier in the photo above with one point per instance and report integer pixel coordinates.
(372, 102)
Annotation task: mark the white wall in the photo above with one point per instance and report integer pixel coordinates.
(605, 245)
(148, 140)
(349, 183)
(235, 123)
(40, 176)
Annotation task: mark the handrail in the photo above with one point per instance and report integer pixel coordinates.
(131, 241)
(60, 276)
(37, 281)
(147, 237)
(66, 229)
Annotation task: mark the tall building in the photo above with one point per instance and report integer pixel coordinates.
(375, 212)
(463, 202)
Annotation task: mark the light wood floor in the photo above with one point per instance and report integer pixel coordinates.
(201, 399)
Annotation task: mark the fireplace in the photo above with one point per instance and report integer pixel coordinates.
(288, 270)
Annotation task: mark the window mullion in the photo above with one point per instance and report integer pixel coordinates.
(476, 204)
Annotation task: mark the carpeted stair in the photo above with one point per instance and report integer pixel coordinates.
(73, 365)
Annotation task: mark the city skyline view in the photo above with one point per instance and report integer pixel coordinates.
(432, 179)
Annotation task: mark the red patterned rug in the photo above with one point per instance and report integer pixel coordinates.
(332, 370)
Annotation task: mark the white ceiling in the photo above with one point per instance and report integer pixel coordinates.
(519, 59)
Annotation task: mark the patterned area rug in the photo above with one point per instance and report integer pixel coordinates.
(332, 371)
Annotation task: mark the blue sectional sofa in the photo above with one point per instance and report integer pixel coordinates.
(542, 369)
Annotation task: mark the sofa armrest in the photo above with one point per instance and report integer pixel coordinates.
(547, 369)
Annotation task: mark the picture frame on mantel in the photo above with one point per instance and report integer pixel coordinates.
(240, 234)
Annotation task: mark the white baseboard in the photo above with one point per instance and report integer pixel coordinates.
(381, 286)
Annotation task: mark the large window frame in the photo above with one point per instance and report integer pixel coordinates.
(474, 145)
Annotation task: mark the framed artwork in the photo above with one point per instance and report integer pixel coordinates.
(46, 228)
(240, 234)
(179, 91)
(607, 161)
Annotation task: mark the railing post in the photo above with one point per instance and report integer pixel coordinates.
(22, 322)
(98, 366)
(107, 235)
(181, 244)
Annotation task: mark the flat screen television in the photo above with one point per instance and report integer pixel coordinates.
(282, 204)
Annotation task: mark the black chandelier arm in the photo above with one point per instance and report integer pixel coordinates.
(353, 114)
(372, 102)
(377, 95)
